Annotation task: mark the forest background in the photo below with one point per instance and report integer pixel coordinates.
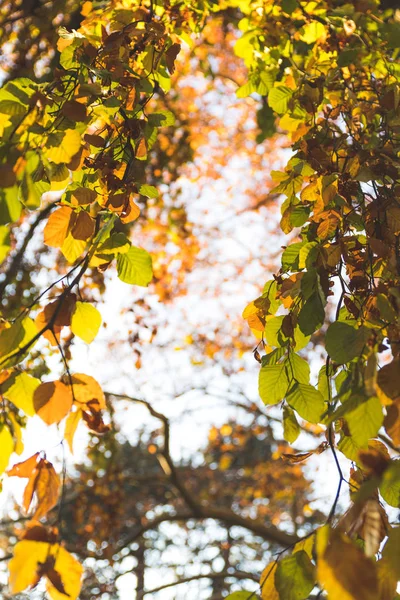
(149, 143)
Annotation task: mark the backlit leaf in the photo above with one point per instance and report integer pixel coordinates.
(58, 225)
(267, 582)
(52, 401)
(295, 577)
(86, 321)
(307, 401)
(67, 147)
(135, 267)
(345, 341)
(19, 389)
(273, 383)
(6, 447)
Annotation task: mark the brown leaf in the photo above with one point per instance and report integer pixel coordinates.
(95, 140)
(7, 175)
(389, 379)
(171, 55)
(302, 456)
(52, 401)
(40, 533)
(74, 110)
(83, 196)
(83, 228)
(392, 422)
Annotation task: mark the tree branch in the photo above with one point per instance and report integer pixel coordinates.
(221, 575)
(16, 260)
(199, 511)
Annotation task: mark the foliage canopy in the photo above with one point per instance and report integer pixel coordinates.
(92, 128)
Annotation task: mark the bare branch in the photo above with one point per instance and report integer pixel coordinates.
(221, 575)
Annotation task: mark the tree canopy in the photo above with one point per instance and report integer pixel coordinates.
(107, 108)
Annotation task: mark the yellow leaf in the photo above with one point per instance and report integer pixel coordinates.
(20, 392)
(30, 556)
(24, 564)
(69, 146)
(70, 571)
(52, 401)
(6, 448)
(344, 571)
(72, 248)
(307, 544)
(267, 582)
(71, 425)
(86, 321)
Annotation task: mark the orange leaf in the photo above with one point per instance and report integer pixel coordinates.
(25, 468)
(45, 484)
(58, 225)
(130, 212)
(52, 401)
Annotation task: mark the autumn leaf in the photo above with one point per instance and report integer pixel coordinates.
(52, 401)
(86, 321)
(6, 447)
(58, 225)
(29, 559)
(88, 391)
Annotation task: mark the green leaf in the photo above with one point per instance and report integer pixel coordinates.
(13, 339)
(278, 99)
(10, 206)
(298, 368)
(273, 333)
(273, 383)
(391, 551)
(149, 191)
(345, 341)
(324, 383)
(117, 243)
(86, 321)
(19, 389)
(9, 107)
(135, 267)
(269, 293)
(312, 314)
(307, 401)
(364, 417)
(290, 257)
(241, 596)
(390, 485)
(273, 357)
(163, 118)
(349, 448)
(4, 242)
(365, 421)
(291, 428)
(295, 577)
(245, 90)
